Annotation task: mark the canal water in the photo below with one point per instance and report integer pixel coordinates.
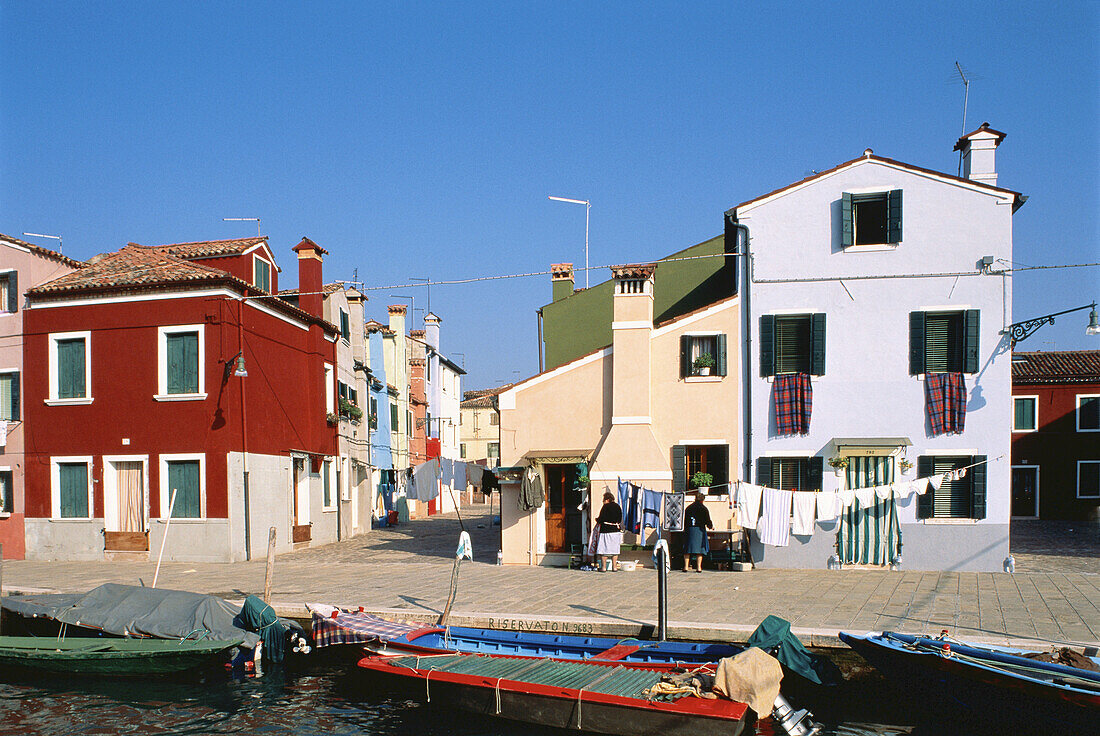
(325, 698)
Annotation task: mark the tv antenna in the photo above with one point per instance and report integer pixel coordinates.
(966, 99)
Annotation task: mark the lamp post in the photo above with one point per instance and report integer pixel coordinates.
(51, 237)
(587, 210)
(1022, 330)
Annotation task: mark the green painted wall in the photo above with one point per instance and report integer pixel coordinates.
(581, 323)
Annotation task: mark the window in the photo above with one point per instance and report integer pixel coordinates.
(72, 487)
(687, 460)
(70, 369)
(9, 291)
(183, 474)
(261, 274)
(790, 473)
(9, 396)
(494, 451)
(409, 422)
(7, 491)
(326, 484)
(943, 342)
(345, 326)
(394, 418)
(1088, 479)
(792, 343)
(702, 355)
(1088, 413)
(373, 418)
(494, 419)
(871, 219)
(181, 357)
(1024, 413)
(330, 397)
(462, 451)
(960, 498)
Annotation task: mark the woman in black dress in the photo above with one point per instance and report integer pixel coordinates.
(611, 532)
(696, 522)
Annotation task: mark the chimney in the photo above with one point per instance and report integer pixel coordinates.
(431, 330)
(310, 298)
(979, 154)
(561, 280)
(397, 318)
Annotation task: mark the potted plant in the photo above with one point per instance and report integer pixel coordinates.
(703, 364)
(331, 418)
(838, 463)
(701, 481)
(905, 465)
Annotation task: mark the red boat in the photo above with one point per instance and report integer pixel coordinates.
(600, 697)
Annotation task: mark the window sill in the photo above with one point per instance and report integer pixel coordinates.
(179, 397)
(67, 402)
(703, 379)
(870, 247)
(5, 514)
(1024, 431)
(180, 520)
(71, 519)
(328, 509)
(1079, 429)
(950, 522)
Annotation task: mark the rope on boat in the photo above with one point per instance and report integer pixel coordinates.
(497, 690)
(598, 680)
(1006, 666)
(427, 688)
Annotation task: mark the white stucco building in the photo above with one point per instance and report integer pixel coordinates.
(870, 278)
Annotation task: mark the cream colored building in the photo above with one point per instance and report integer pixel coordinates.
(637, 409)
(480, 425)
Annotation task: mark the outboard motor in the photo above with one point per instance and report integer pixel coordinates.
(793, 722)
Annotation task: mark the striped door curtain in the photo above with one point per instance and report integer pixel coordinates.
(869, 536)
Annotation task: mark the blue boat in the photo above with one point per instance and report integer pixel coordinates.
(990, 684)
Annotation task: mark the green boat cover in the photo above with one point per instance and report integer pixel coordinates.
(259, 617)
(774, 636)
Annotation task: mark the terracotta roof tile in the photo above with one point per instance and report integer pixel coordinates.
(134, 265)
(44, 252)
(209, 248)
(1063, 366)
(482, 398)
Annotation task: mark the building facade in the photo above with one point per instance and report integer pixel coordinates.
(22, 266)
(479, 437)
(869, 312)
(172, 398)
(1056, 435)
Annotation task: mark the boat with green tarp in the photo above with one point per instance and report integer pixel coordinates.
(108, 656)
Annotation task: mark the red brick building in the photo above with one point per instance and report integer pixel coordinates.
(174, 369)
(1056, 434)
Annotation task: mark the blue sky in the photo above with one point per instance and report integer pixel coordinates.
(422, 140)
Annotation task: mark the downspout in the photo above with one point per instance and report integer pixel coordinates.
(745, 254)
(244, 438)
(539, 312)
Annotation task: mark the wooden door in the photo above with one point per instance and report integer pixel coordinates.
(299, 532)
(555, 508)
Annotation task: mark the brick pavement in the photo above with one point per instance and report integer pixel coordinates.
(405, 571)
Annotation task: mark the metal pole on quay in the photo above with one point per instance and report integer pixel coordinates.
(660, 557)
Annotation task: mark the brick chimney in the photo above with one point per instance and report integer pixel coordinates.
(310, 283)
(561, 280)
(979, 154)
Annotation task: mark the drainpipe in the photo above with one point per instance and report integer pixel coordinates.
(244, 438)
(539, 312)
(745, 254)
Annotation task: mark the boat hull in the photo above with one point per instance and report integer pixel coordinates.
(111, 657)
(981, 691)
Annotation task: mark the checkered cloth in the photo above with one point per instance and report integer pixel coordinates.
(793, 403)
(356, 628)
(946, 402)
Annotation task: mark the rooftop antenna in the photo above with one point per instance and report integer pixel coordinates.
(43, 235)
(245, 219)
(966, 99)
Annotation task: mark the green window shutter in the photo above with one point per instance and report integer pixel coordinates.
(916, 342)
(723, 369)
(393, 418)
(9, 396)
(13, 291)
(972, 319)
(767, 345)
(74, 490)
(183, 478)
(977, 486)
(679, 468)
(345, 326)
(685, 356)
(764, 471)
(70, 369)
(817, 332)
(183, 363)
(846, 229)
(15, 396)
(816, 471)
(1024, 413)
(893, 216)
(326, 468)
(924, 503)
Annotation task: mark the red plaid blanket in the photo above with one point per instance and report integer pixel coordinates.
(946, 402)
(356, 628)
(793, 403)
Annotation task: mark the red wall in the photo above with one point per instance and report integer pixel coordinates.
(284, 393)
(241, 266)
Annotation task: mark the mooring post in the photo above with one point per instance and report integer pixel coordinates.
(270, 564)
(660, 555)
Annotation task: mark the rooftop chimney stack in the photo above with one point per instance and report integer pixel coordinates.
(431, 330)
(561, 280)
(310, 283)
(979, 154)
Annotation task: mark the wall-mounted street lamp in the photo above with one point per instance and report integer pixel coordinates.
(51, 237)
(239, 371)
(587, 210)
(1022, 330)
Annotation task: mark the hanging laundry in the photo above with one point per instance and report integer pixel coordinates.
(884, 492)
(748, 504)
(920, 486)
(674, 512)
(531, 495)
(651, 510)
(426, 480)
(946, 402)
(936, 481)
(475, 475)
(845, 497)
(866, 497)
(632, 520)
(802, 523)
(774, 527)
(793, 397)
(827, 505)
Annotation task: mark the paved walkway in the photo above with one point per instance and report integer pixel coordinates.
(406, 572)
